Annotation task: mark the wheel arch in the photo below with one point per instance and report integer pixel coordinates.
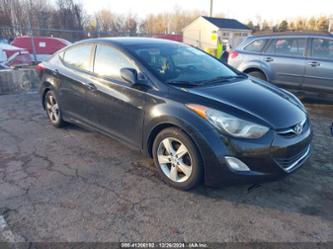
(150, 138)
(45, 87)
(153, 133)
(256, 69)
(48, 83)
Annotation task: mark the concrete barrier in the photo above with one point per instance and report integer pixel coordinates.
(18, 81)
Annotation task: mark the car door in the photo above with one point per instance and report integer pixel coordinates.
(249, 56)
(115, 106)
(319, 65)
(77, 63)
(285, 58)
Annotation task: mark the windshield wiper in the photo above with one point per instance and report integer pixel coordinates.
(223, 79)
(202, 82)
(182, 83)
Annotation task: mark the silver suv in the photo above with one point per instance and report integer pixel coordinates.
(301, 61)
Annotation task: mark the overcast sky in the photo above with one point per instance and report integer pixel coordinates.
(273, 10)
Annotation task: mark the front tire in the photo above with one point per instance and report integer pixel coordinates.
(52, 109)
(177, 159)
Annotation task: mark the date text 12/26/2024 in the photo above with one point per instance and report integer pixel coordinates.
(163, 245)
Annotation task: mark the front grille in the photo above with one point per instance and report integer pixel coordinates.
(290, 132)
(292, 162)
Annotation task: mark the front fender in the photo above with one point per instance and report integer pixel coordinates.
(206, 138)
(173, 114)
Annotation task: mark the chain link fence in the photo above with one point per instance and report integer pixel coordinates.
(10, 32)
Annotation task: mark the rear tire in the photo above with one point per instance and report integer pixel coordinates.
(258, 74)
(177, 159)
(53, 110)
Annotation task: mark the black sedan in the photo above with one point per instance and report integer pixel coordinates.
(198, 118)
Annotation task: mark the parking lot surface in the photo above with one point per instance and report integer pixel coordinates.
(75, 185)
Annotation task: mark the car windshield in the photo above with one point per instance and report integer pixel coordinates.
(183, 65)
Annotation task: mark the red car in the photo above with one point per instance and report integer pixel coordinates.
(11, 56)
(172, 37)
(44, 46)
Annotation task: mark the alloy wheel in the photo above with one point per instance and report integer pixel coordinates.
(174, 159)
(52, 108)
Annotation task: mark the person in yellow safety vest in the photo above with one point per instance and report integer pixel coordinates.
(219, 49)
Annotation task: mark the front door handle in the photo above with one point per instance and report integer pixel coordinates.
(269, 59)
(314, 64)
(91, 86)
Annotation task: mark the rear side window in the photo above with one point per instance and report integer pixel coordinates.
(109, 61)
(256, 46)
(78, 56)
(287, 46)
(322, 48)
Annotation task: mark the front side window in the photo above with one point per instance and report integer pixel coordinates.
(256, 46)
(109, 61)
(180, 63)
(287, 46)
(78, 56)
(322, 48)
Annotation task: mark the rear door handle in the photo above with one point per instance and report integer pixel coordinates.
(269, 59)
(91, 86)
(314, 64)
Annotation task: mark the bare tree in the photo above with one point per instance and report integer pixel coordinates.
(169, 22)
(105, 20)
(109, 23)
(69, 15)
(5, 18)
(130, 25)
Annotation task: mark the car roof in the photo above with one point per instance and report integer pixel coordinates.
(301, 34)
(132, 41)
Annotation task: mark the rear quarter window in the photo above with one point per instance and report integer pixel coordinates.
(322, 48)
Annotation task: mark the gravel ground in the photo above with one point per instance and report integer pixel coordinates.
(75, 185)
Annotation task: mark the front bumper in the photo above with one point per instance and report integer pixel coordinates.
(269, 158)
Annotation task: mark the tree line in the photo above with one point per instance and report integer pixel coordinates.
(69, 20)
(18, 17)
(320, 24)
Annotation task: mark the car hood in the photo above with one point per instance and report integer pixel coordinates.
(261, 100)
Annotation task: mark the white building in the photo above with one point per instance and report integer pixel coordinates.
(204, 31)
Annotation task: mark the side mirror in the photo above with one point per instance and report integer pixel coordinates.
(130, 75)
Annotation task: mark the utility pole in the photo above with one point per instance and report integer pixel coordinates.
(211, 8)
(13, 17)
(31, 32)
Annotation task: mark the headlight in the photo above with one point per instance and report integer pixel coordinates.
(229, 124)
